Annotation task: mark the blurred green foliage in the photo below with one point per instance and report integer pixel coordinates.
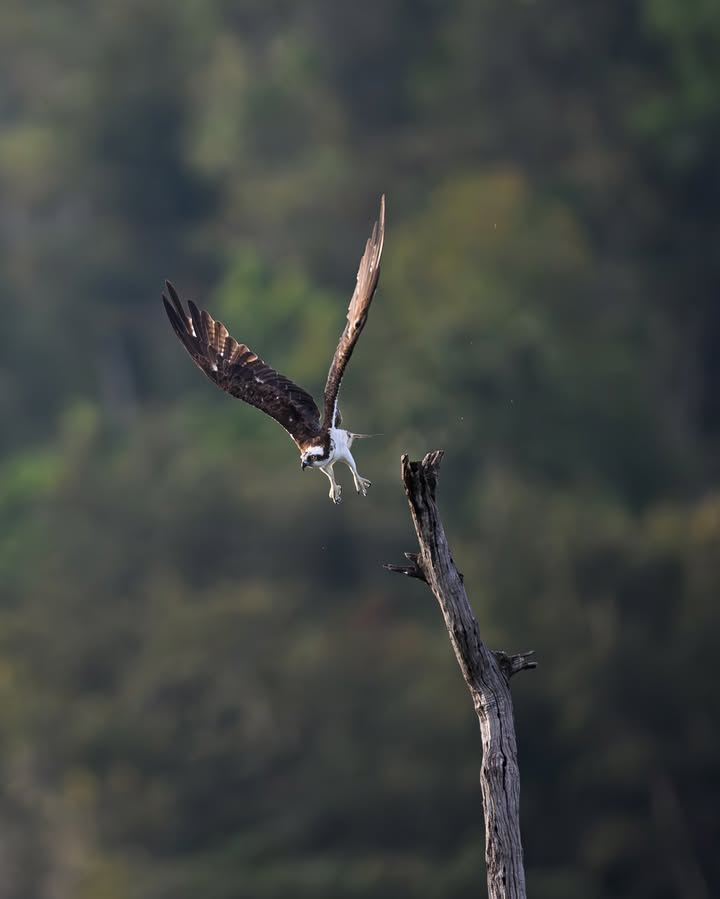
(209, 686)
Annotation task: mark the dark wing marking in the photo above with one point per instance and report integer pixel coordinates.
(367, 280)
(236, 369)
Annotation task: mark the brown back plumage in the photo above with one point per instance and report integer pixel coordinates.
(240, 372)
(367, 280)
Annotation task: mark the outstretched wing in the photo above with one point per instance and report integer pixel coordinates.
(367, 280)
(236, 369)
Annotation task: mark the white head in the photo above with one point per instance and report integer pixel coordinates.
(312, 457)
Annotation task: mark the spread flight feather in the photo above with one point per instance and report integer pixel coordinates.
(240, 372)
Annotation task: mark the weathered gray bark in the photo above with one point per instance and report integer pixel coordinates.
(486, 673)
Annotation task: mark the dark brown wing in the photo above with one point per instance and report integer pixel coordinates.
(367, 280)
(236, 369)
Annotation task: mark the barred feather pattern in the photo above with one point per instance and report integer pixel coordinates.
(240, 372)
(367, 281)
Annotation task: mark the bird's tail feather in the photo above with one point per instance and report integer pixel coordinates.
(362, 436)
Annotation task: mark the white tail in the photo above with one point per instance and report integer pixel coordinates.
(361, 436)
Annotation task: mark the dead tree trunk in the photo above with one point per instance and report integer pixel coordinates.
(486, 673)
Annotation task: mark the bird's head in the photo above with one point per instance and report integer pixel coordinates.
(311, 458)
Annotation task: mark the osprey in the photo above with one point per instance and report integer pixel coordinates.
(240, 372)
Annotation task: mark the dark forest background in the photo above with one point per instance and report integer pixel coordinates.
(208, 685)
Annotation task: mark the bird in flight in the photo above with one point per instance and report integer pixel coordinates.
(240, 372)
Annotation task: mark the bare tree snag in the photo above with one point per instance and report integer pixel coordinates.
(486, 673)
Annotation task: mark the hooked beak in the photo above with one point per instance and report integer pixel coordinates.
(303, 465)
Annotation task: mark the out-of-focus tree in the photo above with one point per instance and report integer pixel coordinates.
(207, 688)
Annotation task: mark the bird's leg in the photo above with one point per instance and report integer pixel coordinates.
(335, 489)
(361, 484)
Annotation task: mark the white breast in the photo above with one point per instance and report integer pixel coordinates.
(340, 445)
